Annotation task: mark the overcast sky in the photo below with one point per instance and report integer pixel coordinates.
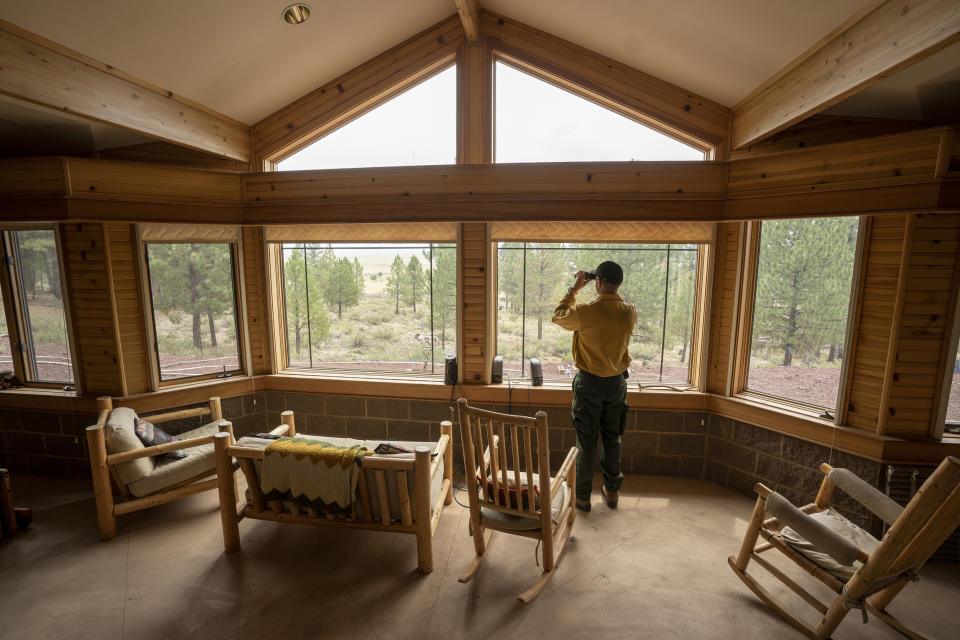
(536, 122)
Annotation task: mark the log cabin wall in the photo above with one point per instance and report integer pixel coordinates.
(255, 291)
(130, 316)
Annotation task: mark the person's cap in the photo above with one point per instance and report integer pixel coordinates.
(609, 272)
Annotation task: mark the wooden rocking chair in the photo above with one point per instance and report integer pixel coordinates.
(508, 493)
(864, 573)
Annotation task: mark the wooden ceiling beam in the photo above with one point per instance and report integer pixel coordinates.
(470, 17)
(45, 73)
(882, 39)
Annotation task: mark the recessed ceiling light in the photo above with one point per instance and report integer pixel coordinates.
(296, 13)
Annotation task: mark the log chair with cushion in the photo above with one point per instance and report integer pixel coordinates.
(129, 476)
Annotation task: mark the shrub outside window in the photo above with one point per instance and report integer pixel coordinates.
(40, 315)
(804, 274)
(194, 303)
(659, 279)
(375, 307)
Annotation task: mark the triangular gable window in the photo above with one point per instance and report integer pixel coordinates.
(539, 122)
(417, 127)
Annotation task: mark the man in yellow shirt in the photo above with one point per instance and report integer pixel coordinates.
(601, 335)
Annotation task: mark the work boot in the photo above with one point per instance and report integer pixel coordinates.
(612, 497)
(583, 505)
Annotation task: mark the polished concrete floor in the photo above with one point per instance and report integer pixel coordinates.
(654, 569)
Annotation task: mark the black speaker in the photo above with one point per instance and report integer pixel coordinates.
(496, 371)
(536, 372)
(450, 370)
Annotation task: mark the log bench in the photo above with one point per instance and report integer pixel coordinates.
(416, 486)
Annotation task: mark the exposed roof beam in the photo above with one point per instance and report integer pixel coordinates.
(885, 37)
(45, 73)
(470, 16)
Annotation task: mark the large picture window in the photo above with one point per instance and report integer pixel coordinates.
(36, 315)
(659, 279)
(382, 307)
(194, 303)
(804, 273)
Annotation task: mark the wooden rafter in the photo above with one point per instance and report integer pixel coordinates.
(880, 40)
(42, 72)
(470, 16)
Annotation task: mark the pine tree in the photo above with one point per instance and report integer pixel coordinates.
(301, 274)
(342, 290)
(415, 282)
(445, 295)
(547, 272)
(395, 282)
(803, 284)
(358, 276)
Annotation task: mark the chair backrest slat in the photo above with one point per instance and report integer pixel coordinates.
(515, 449)
(494, 462)
(528, 455)
(504, 465)
(928, 540)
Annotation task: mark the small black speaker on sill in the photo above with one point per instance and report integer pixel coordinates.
(496, 370)
(450, 370)
(536, 372)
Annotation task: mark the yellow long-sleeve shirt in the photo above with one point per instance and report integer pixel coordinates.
(601, 332)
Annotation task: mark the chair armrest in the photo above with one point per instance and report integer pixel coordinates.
(825, 540)
(157, 449)
(437, 456)
(873, 499)
(565, 469)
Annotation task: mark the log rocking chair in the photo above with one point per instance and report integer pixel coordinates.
(866, 574)
(508, 493)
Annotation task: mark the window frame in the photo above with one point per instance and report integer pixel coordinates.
(277, 314)
(748, 265)
(16, 314)
(940, 424)
(240, 311)
(700, 320)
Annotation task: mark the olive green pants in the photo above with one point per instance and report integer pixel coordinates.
(599, 413)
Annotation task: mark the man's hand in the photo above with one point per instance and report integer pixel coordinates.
(580, 282)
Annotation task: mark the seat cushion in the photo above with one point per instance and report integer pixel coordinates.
(840, 525)
(499, 520)
(168, 471)
(120, 437)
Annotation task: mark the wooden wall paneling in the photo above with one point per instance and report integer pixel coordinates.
(926, 345)
(131, 181)
(131, 330)
(86, 260)
(33, 177)
(474, 104)
(667, 107)
(873, 44)
(475, 305)
(255, 290)
(46, 73)
(819, 130)
(699, 345)
(357, 91)
(173, 155)
(885, 160)
(893, 343)
(722, 306)
(883, 254)
(276, 313)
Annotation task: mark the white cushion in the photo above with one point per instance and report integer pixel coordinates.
(499, 520)
(120, 437)
(843, 527)
(169, 471)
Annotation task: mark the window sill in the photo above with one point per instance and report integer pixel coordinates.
(783, 404)
(41, 398)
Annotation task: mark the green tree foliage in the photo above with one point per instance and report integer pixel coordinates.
(680, 294)
(803, 285)
(548, 273)
(193, 279)
(510, 276)
(303, 275)
(39, 269)
(342, 290)
(444, 295)
(395, 282)
(358, 276)
(416, 283)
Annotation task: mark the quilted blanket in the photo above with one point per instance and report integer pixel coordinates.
(312, 473)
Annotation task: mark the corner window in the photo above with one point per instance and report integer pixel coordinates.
(193, 299)
(34, 336)
(372, 307)
(659, 280)
(802, 296)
